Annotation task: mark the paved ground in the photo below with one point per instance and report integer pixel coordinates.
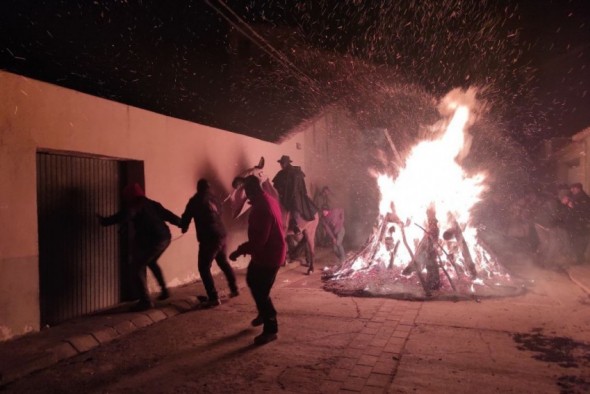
(538, 342)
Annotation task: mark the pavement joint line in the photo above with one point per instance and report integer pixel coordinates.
(77, 344)
(379, 358)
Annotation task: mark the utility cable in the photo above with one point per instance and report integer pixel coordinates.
(262, 43)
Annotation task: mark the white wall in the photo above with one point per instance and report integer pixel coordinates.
(334, 157)
(176, 153)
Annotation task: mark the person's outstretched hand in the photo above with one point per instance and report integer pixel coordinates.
(234, 255)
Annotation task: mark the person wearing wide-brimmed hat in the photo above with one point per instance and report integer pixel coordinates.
(298, 207)
(290, 184)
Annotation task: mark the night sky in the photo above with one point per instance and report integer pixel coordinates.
(191, 59)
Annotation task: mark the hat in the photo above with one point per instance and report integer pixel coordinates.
(252, 185)
(132, 192)
(202, 185)
(285, 159)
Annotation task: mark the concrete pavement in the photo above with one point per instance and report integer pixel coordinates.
(423, 334)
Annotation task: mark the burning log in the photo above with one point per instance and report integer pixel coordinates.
(427, 177)
(427, 254)
(450, 257)
(442, 266)
(415, 263)
(458, 234)
(391, 246)
(432, 234)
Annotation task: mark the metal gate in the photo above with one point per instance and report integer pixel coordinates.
(79, 261)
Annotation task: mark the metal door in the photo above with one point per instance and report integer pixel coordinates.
(79, 261)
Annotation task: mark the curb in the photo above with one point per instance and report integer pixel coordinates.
(83, 342)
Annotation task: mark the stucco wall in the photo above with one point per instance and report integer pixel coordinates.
(36, 115)
(334, 157)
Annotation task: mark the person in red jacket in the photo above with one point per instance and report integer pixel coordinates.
(267, 248)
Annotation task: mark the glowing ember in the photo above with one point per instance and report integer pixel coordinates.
(424, 236)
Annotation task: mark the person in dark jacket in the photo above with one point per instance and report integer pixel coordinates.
(267, 248)
(290, 184)
(151, 237)
(298, 207)
(579, 221)
(205, 209)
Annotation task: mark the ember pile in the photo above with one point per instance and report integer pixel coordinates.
(424, 245)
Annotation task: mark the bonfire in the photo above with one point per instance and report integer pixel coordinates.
(425, 245)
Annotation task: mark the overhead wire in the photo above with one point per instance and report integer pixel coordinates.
(262, 43)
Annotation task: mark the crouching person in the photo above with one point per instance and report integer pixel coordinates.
(267, 248)
(151, 237)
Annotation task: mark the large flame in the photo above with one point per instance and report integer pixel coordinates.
(432, 178)
(431, 191)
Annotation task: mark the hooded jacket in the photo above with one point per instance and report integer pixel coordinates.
(205, 209)
(266, 237)
(147, 216)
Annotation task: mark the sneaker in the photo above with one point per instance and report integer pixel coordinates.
(265, 338)
(257, 321)
(210, 303)
(234, 293)
(310, 271)
(164, 295)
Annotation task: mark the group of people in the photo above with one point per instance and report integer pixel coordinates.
(300, 209)
(266, 242)
(552, 226)
(575, 218)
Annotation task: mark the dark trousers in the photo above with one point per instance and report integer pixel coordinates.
(147, 256)
(579, 242)
(260, 281)
(215, 250)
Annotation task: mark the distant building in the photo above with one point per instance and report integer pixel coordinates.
(567, 159)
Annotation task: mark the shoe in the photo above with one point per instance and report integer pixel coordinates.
(164, 295)
(210, 303)
(310, 271)
(142, 306)
(265, 338)
(234, 293)
(257, 321)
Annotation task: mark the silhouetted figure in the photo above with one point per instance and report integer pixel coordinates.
(578, 195)
(554, 249)
(322, 200)
(205, 209)
(267, 248)
(290, 185)
(580, 220)
(333, 222)
(151, 237)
